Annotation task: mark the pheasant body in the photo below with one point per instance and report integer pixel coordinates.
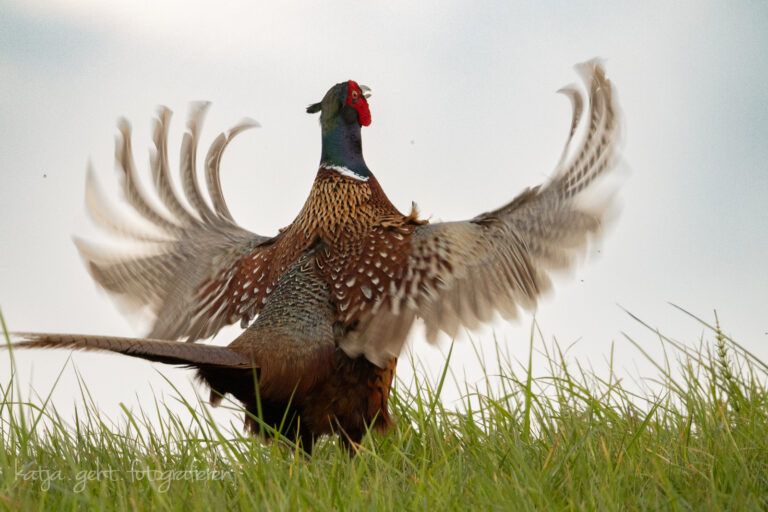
(328, 302)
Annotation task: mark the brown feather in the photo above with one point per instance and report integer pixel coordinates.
(163, 351)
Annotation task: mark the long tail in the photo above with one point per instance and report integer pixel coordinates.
(163, 351)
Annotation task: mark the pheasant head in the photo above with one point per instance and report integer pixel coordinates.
(343, 111)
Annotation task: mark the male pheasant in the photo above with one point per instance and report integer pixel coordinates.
(335, 293)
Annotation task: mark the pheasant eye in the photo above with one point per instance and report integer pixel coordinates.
(355, 94)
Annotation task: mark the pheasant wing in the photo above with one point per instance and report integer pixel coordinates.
(190, 266)
(460, 273)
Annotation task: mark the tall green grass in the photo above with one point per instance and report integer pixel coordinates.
(568, 440)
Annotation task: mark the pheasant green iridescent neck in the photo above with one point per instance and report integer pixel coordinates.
(342, 148)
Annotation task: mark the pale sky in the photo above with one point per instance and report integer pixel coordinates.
(465, 116)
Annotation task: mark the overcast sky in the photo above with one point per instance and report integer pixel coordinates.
(465, 115)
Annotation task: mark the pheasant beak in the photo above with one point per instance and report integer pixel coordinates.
(366, 91)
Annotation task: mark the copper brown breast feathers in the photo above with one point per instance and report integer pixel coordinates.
(327, 303)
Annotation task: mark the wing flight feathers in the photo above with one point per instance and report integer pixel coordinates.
(460, 273)
(181, 267)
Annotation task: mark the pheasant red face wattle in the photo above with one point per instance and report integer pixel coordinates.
(356, 98)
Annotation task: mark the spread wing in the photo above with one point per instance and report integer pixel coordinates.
(188, 264)
(460, 273)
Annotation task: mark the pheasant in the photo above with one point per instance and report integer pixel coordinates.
(326, 304)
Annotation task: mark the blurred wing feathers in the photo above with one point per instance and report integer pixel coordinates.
(189, 163)
(460, 273)
(183, 266)
(212, 163)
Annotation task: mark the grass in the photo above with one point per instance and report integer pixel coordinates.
(568, 440)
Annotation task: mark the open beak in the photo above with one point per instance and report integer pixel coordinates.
(366, 91)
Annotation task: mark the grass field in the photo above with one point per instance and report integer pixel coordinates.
(570, 440)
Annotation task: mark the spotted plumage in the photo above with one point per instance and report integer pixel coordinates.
(327, 303)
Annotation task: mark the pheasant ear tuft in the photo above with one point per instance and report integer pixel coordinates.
(312, 109)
